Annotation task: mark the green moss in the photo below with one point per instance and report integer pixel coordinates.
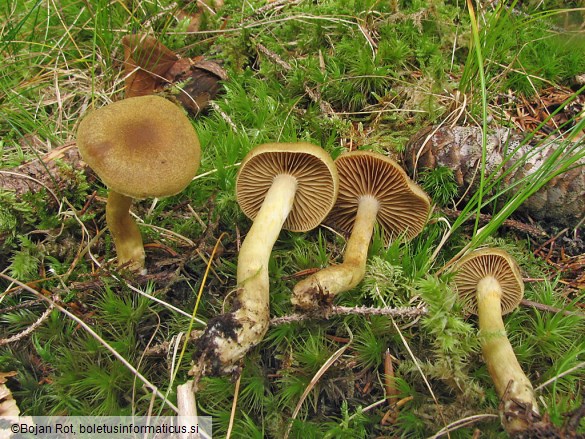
(384, 69)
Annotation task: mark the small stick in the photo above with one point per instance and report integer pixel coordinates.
(402, 311)
(22, 305)
(301, 273)
(391, 391)
(278, 4)
(234, 405)
(549, 241)
(484, 218)
(28, 330)
(88, 203)
(274, 57)
(548, 308)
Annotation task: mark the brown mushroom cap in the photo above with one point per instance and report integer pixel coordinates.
(309, 164)
(404, 207)
(140, 147)
(479, 264)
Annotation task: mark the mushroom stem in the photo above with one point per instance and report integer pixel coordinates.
(511, 383)
(324, 285)
(229, 336)
(252, 271)
(127, 237)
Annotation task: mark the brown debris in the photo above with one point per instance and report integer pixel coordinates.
(565, 254)
(543, 428)
(571, 268)
(529, 113)
(146, 62)
(8, 405)
(389, 377)
(484, 218)
(152, 68)
(391, 416)
(202, 85)
(54, 172)
(561, 201)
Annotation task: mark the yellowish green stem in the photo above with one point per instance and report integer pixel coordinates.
(510, 382)
(125, 232)
(324, 285)
(252, 311)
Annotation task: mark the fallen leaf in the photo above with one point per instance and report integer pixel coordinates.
(146, 62)
(151, 68)
(8, 405)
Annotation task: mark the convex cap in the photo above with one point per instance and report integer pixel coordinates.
(404, 207)
(478, 265)
(312, 167)
(140, 147)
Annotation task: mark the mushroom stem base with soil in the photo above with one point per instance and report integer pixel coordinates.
(323, 286)
(125, 232)
(511, 383)
(229, 336)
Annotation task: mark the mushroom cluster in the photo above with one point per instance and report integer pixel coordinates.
(146, 147)
(372, 189)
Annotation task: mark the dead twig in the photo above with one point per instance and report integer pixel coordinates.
(548, 308)
(27, 304)
(28, 330)
(485, 218)
(402, 311)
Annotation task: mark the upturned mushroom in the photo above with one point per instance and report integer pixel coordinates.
(290, 186)
(140, 147)
(489, 283)
(372, 189)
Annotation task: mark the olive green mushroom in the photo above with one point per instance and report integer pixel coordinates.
(372, 189)
(139, 147)
(290, 186)
(489, 283)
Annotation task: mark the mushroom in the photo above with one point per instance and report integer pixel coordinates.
(372, 188)
(489, 283)
(279, 185)
(140, 147)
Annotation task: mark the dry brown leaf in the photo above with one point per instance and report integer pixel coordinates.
(151, 67)
(8, 405)
(146, 62)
